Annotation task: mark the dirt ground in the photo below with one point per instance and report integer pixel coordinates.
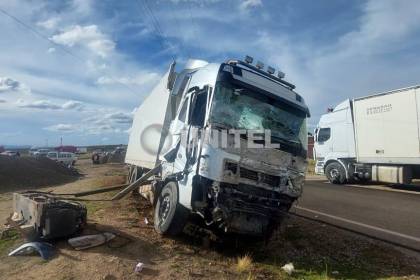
(316, 251)
(29, 172)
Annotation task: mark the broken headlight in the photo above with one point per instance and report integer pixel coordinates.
(295, 185)
(231, 168)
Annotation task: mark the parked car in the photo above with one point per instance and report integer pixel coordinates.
(63, 157)
(81, 150)
(99, 156)
(41, 153)
(11, 153)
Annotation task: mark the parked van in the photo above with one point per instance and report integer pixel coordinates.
(63, 157)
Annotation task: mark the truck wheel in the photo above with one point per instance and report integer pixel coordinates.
(170, 216)
(335, 173)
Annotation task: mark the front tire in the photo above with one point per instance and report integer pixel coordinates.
(335, 173)
(170, 216)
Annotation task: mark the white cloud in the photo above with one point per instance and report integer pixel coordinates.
(199, 2)
(77, 105)
(9, 84)
(88, 36)
(140, 79)
(68, 128)
(249, 4)
(38, 104)
(48, 105)
(85, 129)
(2, 101)
(122, 118)
(113, 118)
(49, 23)
(51, 50)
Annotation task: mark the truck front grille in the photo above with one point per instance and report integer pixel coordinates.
(270, 179)
(248, 174)
(259, 177)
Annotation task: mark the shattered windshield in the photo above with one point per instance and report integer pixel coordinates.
(240, 108)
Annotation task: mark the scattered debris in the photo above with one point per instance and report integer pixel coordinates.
(44, 249)
(289, 268)
(139, 267)
(146, 221)
(46, 217)
(88, 241)
(200, 232)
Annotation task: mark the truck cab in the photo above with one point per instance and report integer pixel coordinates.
(334, 140)
(231, 147)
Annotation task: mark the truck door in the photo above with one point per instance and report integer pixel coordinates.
(179, 130)
(323, 147)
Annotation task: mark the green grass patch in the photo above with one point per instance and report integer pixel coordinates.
(8, 240)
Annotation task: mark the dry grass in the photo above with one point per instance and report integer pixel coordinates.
(244, 263)
(311, 166)
(108, 181)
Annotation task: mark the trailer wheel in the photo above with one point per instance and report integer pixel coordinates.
(170, 216)
(335, 173)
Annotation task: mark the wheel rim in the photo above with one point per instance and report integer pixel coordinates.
(164, 208)
(334, 173)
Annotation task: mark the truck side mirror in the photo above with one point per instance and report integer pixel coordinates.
(171, 76)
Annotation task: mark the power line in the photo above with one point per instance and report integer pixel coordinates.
(36, 32)
(142, 9)
(64, 49)
(148, 12)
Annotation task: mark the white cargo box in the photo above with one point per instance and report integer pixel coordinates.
(145, 135)
(387, 127)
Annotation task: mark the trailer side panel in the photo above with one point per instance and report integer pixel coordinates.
(387, 129)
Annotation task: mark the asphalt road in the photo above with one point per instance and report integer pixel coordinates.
(379, 211)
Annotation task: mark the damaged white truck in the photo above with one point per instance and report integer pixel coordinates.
(226, 142)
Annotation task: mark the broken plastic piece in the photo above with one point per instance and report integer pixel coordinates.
(17, 217)
(288, 268)
(139, 267)
(88, 241)
(46, 250)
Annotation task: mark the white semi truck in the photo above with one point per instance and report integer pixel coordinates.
(232, 187)
(373, 138)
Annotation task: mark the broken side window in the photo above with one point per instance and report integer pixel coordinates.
(199, 110)
(183, 111)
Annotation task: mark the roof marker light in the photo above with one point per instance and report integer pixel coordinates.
(271, 70)
(260, 65)
(248, 59)
(281, 75)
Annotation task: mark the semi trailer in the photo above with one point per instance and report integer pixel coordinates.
(374, 138)
(189, 150)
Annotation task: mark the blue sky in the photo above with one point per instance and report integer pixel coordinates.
(95, 61)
